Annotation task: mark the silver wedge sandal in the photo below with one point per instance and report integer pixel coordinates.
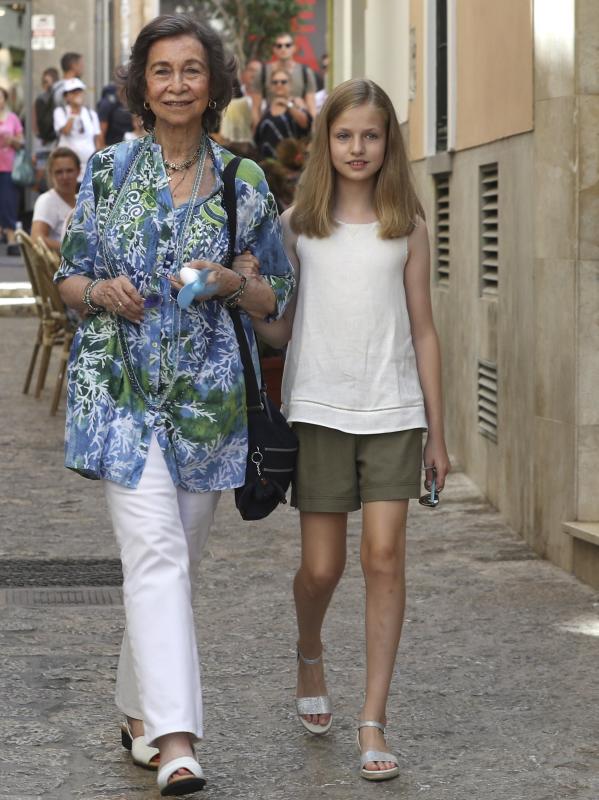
(314, 705)
(376, 755)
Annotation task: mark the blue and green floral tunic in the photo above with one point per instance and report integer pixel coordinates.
(201, 426)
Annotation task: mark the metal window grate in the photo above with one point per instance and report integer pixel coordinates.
(442, 229)
(487, 399)
(489, 230)
(60, 572)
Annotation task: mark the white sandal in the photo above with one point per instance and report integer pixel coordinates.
(314, 705)
(376, 755)
(180, 784)
(141, 753)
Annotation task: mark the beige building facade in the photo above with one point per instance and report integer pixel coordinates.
(500, 106)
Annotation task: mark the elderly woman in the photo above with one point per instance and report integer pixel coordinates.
(53, 207)
(156, 397)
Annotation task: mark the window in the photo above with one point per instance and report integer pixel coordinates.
(487, 399)
(442, 229)
(441, 83)
(489, 230)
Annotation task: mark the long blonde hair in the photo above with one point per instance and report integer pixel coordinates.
(397, 206)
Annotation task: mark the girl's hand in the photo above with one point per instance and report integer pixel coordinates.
(247, 264)
(119, 296)
(435, 455)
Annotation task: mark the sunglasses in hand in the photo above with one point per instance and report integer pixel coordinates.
(431, 499)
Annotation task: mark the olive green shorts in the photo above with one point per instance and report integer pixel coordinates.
(338, 471)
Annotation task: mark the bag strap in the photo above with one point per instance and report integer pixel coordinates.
(252, 392)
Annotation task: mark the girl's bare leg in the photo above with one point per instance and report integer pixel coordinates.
(321, 567)
(382, 554)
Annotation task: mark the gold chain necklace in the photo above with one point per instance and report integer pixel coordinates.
(172, 166)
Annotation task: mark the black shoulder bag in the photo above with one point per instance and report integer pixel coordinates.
(272, 445)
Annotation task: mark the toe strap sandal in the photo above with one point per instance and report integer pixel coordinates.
(376, 755)
(141, 753)
(314, 705)
(172, 785)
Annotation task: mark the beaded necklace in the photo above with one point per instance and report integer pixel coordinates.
(153, 404)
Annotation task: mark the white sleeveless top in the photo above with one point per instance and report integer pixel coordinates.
(351, 364)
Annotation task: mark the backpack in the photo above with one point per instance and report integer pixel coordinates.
(304, 78)
(44, 110)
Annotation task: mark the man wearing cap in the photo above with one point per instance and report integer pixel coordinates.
(76, 125)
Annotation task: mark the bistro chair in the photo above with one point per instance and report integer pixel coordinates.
(28, 254)
(57, 329)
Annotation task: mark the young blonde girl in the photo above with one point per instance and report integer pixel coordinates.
(362, 380)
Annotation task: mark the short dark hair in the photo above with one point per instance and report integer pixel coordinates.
(222, 66)
(63, 152)
(52, 72)
(68, 60)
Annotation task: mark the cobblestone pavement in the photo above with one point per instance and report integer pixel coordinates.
(495, 694)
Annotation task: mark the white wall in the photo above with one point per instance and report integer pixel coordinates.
(387, 43)
(371, 39)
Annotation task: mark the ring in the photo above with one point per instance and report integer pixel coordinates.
(118, 305)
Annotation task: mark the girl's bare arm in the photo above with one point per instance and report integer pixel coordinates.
(426, 346)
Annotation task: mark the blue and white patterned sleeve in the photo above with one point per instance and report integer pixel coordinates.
(259, 231)
(80, 244)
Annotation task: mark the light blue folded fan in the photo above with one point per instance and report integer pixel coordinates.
(196, 284)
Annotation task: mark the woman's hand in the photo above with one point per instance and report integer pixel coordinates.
(435, 455)
(119, 296)
(224, 280)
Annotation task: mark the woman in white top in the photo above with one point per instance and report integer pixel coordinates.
(53, 207)
(77, 126)
(362, 380)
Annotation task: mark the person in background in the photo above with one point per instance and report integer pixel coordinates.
(43, 124)
(236, 125)
(137, 131)
(286, 117)
(77, 125)
(302, 80)
(72, 66)
(11, 140)
(321, 79)
(54, 206)
(115, 118)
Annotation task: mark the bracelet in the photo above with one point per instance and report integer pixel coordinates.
(87, 296)
(232, 300)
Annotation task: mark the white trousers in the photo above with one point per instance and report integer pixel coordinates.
(161, 531)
